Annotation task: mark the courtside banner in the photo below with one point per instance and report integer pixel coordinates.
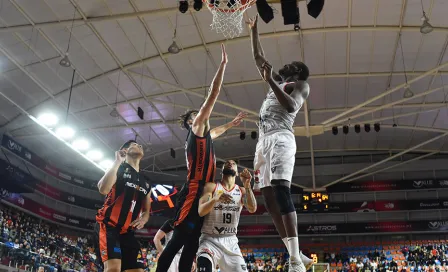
(369, 206)
(23, 152)
(374, 227)
(12, 178)
(45, 212)
(244, 230)
(376, 186)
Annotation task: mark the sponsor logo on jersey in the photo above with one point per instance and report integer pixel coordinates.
(200, 164)
(136, 187)
(225, 230)
(221, 207)
(126, 176)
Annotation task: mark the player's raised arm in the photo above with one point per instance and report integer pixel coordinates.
(257, 49)
(290, 102)
(249, 200)
(110, 177)
(218, 131)
(207, 201)
(200, 123)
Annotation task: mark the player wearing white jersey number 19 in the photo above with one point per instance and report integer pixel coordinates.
(221, 204)
(166, 231)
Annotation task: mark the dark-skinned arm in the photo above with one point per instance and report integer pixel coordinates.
(257, 49)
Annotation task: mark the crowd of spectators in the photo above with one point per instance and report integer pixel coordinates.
(266, 262)
(30, 242)
(429, 257)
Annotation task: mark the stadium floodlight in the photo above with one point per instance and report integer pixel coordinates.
(106, 164)
(94, 155)
(81, 144)
(65, 132)
(47, 119)
(49, 130)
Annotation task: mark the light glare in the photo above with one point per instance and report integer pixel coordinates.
(106, 164)
(81, 144)
(48, 119)
(94, 155)
(65, 132)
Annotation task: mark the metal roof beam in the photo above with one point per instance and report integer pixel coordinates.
(388, 159)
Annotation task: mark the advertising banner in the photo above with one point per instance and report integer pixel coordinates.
(244, 230)
(46, 212)
(376, 186)
(15, 180)
(26, 154)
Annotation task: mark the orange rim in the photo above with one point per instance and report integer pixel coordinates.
(248, 4)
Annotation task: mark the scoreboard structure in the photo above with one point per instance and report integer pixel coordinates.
(315, 202)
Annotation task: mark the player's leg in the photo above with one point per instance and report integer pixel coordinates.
(130, 249)
(270, 202)
(262, 166)
(107, 239)
(231, 260)
(282, 167)
(174, 245)
(208, 254)
(175, 264)
(190, 249)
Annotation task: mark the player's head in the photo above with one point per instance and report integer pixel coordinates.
(294, 71)
(186, 119)
(133, 149)
(230, 168)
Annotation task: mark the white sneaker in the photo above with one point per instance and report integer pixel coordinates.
(296, 266)
(306, 261)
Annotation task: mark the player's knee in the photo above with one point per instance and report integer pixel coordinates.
(204, 264)
(113, 265)
(284, 200)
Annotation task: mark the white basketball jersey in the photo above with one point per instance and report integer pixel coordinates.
(224, 218)
(273, 116)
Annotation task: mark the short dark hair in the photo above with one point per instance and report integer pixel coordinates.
(127, 144)
(183, 119)
(302, 69)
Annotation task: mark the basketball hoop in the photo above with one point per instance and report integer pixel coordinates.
(228, 15)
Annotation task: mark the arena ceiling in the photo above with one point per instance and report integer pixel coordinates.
(119, 50)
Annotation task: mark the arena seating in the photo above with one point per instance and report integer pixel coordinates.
(419, 255)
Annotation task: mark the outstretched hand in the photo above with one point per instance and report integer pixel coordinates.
(239, 118)
(224, 54)
(253, 22)
(267, 71)
(246, 177)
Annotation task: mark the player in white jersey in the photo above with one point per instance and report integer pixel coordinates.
(276, 148)
(220, 205)
(166, 231)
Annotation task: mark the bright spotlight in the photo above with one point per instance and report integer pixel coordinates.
(65, 132)
(106, 164)
(94, 155)
(80, 144)
(48, 119)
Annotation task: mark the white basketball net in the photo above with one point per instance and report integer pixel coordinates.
(228, 16)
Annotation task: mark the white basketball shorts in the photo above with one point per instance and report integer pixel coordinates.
(275, 157)
(223, 251)
(174, 267)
